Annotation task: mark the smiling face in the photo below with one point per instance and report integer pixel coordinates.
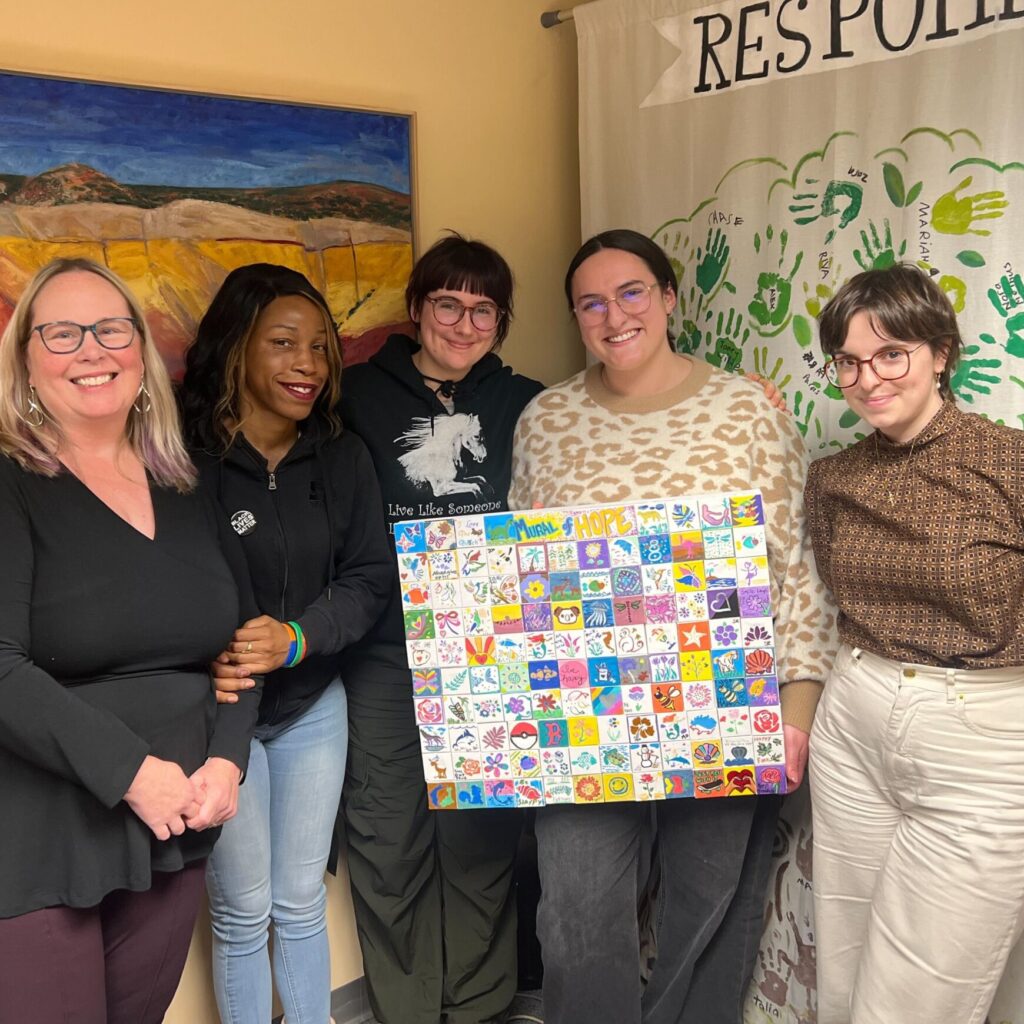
(625, 342)
(901, 408)
(286, 362)
(449, 353)
(93, 384)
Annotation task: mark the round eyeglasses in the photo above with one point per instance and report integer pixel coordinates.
(632, 299)
(484, 316)
(64, 337)
(886, 364)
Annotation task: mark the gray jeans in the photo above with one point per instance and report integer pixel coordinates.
(714, 856)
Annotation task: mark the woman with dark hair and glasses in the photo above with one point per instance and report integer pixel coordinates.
(917, 752)
(644, 422)
(260, 400)
(434, 902)
(118, 586)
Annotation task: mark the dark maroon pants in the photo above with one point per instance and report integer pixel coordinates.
(115, 963)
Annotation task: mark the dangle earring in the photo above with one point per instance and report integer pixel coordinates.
(143, 403)
(34, 415)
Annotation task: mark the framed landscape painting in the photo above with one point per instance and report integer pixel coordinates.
(172, 190)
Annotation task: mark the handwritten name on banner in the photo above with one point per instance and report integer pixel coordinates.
(737, 44)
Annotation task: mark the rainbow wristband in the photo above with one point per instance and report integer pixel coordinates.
(293, 645)
(297, 650)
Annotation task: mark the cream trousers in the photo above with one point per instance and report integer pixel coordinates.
(917, 784)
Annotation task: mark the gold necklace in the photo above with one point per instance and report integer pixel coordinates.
(902, 473)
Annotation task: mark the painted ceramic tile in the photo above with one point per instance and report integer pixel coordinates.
(593, 654)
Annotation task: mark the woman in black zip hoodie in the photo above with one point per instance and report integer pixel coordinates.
(261, 384)
(433, 892)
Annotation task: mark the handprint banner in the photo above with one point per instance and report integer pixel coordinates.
(595, 654)
(768, 188)
(767, 198)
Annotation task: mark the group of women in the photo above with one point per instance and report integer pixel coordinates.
(245, 537)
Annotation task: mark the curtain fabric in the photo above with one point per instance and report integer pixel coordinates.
(775, 149)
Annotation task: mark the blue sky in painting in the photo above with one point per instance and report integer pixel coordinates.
(151, 137)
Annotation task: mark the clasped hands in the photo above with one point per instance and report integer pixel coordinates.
(258, 647)
(168, 801)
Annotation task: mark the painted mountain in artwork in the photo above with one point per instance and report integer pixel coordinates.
(174, 245)
(75, 183)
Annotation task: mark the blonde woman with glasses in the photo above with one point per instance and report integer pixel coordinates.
(116, 592)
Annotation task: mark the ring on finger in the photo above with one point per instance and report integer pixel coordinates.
(248, 647)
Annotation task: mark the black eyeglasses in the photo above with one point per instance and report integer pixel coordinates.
(886, 364)
(448, 312)
(632, 299)
(63, 337)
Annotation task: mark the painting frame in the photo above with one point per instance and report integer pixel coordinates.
(87, 169)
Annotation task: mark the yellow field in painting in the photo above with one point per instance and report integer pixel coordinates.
(174, 279)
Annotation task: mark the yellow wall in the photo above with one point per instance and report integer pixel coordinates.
(495, 101)
(494, 96)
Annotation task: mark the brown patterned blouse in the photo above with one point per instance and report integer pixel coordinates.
(922, 543)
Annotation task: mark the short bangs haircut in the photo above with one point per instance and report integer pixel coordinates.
(626, 240)
(903, 303)
(463, 265)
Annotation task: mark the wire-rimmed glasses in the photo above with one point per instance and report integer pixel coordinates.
(633, 298)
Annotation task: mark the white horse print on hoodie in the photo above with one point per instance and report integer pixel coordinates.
(434, 456)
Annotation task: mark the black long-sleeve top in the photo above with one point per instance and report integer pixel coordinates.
(314, 537)
(105, 639)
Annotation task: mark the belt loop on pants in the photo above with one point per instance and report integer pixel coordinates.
(951, 685)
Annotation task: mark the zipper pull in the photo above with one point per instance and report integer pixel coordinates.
(272, 482)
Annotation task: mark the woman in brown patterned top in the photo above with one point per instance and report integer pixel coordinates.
(917, 751)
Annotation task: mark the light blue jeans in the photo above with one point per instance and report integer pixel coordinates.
(268, 866)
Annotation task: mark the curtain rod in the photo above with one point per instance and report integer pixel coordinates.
(549, 19)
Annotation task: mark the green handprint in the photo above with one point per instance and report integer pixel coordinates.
(969, 375)
(1010, 291)
(954, 216)
(841, 198)
(1015, 334)
(1013, 290)
(1020, 384)
(956, 291)
(677, 248)
(804, 424)
(728, 352)
(879, 253)
(761, 368)
(770, 304)
(712, 262)
(816, 300)
(689, 338)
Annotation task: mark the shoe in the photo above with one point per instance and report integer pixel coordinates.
(526, 1008)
